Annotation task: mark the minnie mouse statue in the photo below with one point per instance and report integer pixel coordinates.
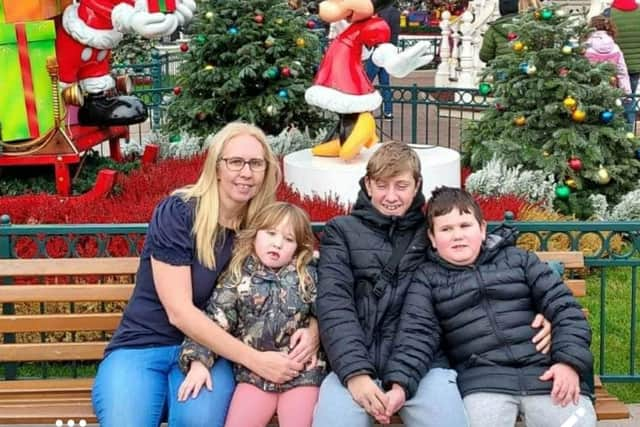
(341, 84)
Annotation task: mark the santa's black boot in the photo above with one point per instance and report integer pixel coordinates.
(104, 110)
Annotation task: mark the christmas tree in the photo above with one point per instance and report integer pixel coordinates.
(247, 60)
(555, 111)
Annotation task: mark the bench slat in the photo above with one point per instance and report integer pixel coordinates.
(64, 293)
(60, 322)
(578, 287)
(42, 352)
(570, 259)
(68, 266)
(46, 414)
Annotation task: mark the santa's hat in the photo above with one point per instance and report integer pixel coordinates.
(625, 5)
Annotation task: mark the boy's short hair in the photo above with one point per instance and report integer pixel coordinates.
(445, 199)
(392, 159)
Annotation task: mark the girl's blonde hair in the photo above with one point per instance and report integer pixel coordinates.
(205, 191)
(269, 218)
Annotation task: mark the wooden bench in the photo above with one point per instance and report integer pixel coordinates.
(28, 401)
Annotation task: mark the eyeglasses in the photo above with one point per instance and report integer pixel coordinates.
(236, 164)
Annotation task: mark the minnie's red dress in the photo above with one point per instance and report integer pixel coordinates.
(341, 84)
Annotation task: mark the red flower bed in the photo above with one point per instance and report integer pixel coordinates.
(139, 192)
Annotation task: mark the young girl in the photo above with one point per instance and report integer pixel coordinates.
(601, 47)
(267, 293)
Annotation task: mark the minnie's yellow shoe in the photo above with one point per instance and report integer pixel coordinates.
(327, 149)
(363, 134)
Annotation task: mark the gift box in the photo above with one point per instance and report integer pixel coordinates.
(12, 11)
(165, 6)
(26, 88)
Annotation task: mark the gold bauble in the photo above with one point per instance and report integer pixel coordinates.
(571, 183)
(520, 121)
(603, 176)
(300, 42)
(570, 103)
(518, 46)
(578, 116)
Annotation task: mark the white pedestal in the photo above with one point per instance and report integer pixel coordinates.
(333, 177)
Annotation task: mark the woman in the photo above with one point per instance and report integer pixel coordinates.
(188, 244)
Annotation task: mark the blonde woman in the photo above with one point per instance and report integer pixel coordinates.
(188, 244)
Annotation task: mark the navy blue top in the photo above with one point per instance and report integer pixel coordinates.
(169, 239)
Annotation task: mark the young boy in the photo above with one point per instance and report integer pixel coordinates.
(479, 294)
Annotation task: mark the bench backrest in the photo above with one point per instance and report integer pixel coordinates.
(96, 271)
(103, 292)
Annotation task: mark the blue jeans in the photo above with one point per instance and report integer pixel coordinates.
(630, 108)
(139, 388)
(374, 71)
(437, 403)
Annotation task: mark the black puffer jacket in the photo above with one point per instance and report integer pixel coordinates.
(485, 311)
(357, 328)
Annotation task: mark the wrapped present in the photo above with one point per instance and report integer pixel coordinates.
(166, 6)
(26, 89)
(12, 11)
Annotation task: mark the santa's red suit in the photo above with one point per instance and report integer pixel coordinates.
(84, 42)
(89, 30)
(341, 84)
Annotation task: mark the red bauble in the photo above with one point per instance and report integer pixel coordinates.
(258, 18)
(285, 72)
(563, 72)
(177, 90)
(184, 47)
(512, 36)
(575, 163)
(311, 24)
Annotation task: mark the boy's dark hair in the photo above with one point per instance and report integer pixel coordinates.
(445, 199)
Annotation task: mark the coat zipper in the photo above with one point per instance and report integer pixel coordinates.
(494, 324)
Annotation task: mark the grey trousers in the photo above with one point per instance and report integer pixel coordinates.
(501, 410)
(437, 403)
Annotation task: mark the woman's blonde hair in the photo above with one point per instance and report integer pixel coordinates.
(205, 191)
(269, 218)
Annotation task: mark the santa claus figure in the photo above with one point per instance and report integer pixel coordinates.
(90, 30)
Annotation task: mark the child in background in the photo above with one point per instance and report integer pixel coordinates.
(478, 294)
(267, 293)
(601, 47)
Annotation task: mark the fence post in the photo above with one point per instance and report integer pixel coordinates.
(10, 369)
(156, 86)
(414, 114)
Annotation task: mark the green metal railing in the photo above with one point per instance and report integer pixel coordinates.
(615, 247)
(421, 115)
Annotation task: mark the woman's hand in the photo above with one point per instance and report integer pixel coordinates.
(305, 343)
(197, 376)
(275, 367)
(542, 339)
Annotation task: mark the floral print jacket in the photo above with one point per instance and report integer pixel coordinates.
(263, 310)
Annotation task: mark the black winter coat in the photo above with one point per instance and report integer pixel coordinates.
(485, 311)
(357, 328)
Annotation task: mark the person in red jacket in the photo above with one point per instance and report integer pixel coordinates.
(90, 30)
